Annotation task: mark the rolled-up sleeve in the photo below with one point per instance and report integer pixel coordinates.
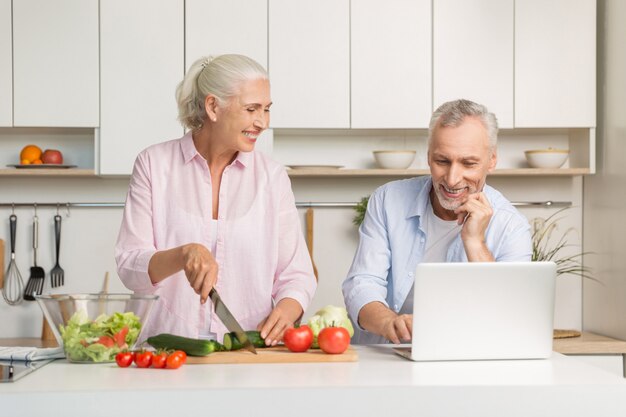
(294, 276)
(135, 243)
(367, 278)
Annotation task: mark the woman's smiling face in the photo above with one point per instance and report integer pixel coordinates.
(459, 158)
(245, 115)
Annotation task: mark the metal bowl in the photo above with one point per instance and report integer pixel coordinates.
(90, 327)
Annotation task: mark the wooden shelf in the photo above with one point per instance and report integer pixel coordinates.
(61, 172)
(515, 172)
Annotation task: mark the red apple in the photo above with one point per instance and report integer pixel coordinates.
(52, 156)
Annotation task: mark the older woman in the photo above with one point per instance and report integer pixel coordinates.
(207, 211)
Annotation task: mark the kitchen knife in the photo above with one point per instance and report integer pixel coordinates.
(229, 320)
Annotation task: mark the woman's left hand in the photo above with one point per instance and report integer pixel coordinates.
(282, 317)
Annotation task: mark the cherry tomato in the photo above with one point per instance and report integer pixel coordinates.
(143, 359)
(333, 339)
(124, 359)
(158, 359)
(182, 354)
(298, 339)
(174, 361)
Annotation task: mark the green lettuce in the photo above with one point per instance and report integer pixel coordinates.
(101, 339)
(329, 316)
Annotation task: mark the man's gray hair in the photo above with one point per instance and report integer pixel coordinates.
(452, 113)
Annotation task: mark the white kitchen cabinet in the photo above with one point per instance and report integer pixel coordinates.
(555, 63)
(142, 62)
(214, 27)
(55, 63)
(6, 65)
(309, 63)
(473, 54)
(391, 63)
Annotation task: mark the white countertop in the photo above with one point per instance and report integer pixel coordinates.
(380, 383)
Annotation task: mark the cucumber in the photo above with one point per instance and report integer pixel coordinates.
(192, 347)
(232, 343)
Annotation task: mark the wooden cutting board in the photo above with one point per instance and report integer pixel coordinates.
(277, 354)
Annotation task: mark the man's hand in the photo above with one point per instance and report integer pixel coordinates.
(377, 318)
(475, 215)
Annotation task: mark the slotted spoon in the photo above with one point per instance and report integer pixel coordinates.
(34, 286)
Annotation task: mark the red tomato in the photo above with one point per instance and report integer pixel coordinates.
(143, 359)
(333, 339)
(298, 339)
(124, 359)
(182, 354)
(158, 360)
(106, 341)
(174, 361)
(120, 337)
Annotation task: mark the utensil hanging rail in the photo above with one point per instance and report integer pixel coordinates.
(67, 206)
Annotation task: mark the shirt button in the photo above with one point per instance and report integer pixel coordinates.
(410, 274)
(395, 307)
(422, 240)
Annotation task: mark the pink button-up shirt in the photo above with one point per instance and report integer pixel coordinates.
(260, 249)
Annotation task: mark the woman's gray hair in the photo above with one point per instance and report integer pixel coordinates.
(452, 113)
(220, 76)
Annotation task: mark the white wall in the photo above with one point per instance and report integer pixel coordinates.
(605, 305)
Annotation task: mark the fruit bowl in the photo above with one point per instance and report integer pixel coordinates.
(546, 158)
(95, 327)
(394, 159)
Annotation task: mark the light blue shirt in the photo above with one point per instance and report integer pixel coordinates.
(392, 243)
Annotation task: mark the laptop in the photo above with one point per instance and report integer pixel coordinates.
(482, 311)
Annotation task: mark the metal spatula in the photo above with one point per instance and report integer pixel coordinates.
(37, 274)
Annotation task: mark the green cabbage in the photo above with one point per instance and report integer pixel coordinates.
(329, 316)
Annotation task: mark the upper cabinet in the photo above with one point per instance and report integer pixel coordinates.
(6, 65)
(473, 54)
(214, 27)
(55, 63)
(142, 53)
(309, 63)
(390, 63)
(555, 63)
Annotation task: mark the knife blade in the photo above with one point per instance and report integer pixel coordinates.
(229, 320)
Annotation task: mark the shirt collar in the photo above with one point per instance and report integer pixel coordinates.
(421, 201)
(190, 152)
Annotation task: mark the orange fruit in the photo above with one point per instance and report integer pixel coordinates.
(37, 162)
(25, 162)
(31, 153)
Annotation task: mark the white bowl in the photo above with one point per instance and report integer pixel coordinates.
(546, 158)
(394, 159)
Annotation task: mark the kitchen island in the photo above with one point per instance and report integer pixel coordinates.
(379, 384)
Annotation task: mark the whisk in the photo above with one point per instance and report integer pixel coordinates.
(13, 285)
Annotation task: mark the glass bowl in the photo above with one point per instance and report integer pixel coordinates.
(95, 327)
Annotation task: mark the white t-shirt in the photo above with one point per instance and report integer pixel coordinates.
(439, 236)
(208, 310)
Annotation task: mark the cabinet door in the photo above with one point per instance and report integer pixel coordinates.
(214, 27)
(55, 61)
(391, 63)
(309, 63)
(6, 65)
(142, 53)
(555, 63)
(473, 54)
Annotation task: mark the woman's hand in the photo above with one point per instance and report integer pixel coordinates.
(200, 269)
(283, 316)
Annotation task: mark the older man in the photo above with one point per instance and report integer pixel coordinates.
(449, 216)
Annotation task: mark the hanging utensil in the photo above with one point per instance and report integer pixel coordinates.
(309, 238)
(13, 284)
(34, 286)
(57, 275)
(1, 263)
